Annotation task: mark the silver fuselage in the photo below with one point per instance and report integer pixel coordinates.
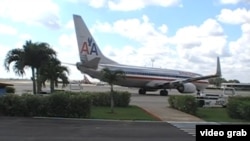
(141, 77)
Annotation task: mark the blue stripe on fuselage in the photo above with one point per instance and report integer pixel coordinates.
(156, 72)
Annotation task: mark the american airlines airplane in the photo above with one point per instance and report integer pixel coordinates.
(144, 78)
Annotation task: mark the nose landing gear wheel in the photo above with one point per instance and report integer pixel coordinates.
(142, 91)
(164, 93)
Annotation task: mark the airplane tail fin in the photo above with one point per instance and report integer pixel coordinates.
(88, 49)
(218, 69)
(86, 80)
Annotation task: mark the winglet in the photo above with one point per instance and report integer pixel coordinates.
(218, 69)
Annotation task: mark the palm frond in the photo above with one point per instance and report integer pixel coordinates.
(12, 56)
(110, 76)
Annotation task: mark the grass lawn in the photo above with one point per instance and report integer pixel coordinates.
(216, 115)
(120, 113)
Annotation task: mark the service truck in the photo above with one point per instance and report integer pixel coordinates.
(214, 99)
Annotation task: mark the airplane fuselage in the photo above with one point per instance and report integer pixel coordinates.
(142, 77)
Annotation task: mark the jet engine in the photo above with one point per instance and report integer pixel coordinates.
(186, 88)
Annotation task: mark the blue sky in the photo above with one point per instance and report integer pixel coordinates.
(176, 34)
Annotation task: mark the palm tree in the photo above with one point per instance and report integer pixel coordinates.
(111, 77)
(53, 70)
(32, 55)
(45, 54)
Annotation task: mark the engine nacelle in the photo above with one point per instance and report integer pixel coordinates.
(186, 88)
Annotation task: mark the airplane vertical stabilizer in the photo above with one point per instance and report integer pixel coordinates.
(88, 49)
(218, 71)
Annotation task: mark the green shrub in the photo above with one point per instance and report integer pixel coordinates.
(244, 110)
(200, 103)
(185, 103)
(59, 104)
(232, 108)
(10, 89)
(13, 105)
(101, 99)
(35, 104)
(1, 106)
(121, 99)
(239, 107)
(56, 105)
(79, 106)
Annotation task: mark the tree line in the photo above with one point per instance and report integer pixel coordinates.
(43, 62)
(217, 81)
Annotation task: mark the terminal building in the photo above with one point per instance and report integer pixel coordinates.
(237, 86)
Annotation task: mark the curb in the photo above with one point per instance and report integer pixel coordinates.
(151, 114)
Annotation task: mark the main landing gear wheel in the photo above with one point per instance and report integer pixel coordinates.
(142, 91)
(164, 93)
(198, 92)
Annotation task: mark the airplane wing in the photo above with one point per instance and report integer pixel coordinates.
(171, 84)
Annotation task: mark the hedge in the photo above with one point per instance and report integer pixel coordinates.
(10, 89)
(121, 99)
(59, 104)
(54, 105)
(238, 107)
(185, 103)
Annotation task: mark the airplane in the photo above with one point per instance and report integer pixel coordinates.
(144, 78)
(88, 80)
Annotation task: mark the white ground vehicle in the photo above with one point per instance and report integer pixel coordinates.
(216, 100)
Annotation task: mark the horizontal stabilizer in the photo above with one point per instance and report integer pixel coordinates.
(93, 64)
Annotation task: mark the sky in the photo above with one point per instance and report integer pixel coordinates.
(174, 34)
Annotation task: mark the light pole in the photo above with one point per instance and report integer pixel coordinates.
(152, 60)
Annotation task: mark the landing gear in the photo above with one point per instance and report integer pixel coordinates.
(142, 91)
(164, 92)
(198, 92)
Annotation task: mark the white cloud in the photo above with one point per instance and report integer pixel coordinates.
(163, 28)
(66, 40)
(238, 16)
(206, 40)
(127, 5)
(25, 36)
(22, 38)
(142, 31)
(8, 30)
(230, 1)
(67, 52)
(241, 46)
(238, 65)
(70, 24)
(211, 28)
(43, 12)
(97, 3)
(233, 1)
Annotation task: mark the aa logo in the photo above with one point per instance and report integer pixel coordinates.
(89, 45)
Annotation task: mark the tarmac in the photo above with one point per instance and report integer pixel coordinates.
(159, 108)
